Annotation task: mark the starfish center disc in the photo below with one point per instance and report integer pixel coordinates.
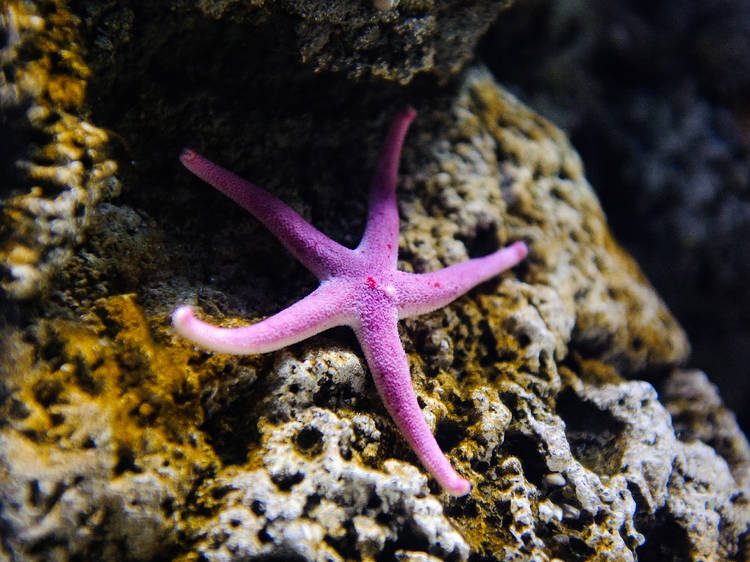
(384, 287)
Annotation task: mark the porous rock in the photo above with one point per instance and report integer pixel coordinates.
(667, 149)
(395, 40)
(314, 495)
(533, 384)
(99, 445)
(54, 165)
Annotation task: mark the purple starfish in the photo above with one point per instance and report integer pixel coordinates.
(360, 288)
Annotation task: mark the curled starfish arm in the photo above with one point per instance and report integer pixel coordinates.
(322, 309)
(379, 339)
(429, 291)
(315, 250)
(380, 240)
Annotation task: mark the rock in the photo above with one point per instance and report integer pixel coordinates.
(59, 165)
(667, 150)
(120, 440)
(313, 497)
(55, 162)
(95, 460)
(390, 39)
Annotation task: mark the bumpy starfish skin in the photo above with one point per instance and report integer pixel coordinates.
(360, 288)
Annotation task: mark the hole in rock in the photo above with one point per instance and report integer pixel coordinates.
(594, 435)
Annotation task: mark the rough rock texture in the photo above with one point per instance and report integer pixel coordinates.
(385, 39)
(655, 98)
(393, 39)
(99, 448)
(119, 440)
(54, 167)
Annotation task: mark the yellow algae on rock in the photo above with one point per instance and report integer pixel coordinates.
(562, 449)
(100, 446)
(618, 316)
(64, 171)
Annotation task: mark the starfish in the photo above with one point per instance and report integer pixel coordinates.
(360, 288)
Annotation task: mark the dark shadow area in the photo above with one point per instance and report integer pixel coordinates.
(593, 434)
(666, 541)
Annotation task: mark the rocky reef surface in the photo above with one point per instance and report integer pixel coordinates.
(655, 98)
(558, 388)
(47, 140)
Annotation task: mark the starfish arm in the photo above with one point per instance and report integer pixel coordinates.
(422, 293)
(378, 337)
(322, 309)
(380, 240)
(315, 250)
